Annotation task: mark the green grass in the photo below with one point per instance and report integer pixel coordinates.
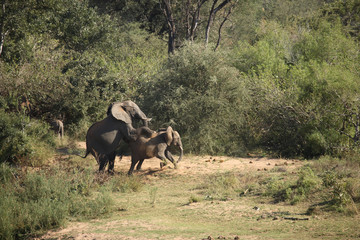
(174, 216)
(168, 206)
(34, 202)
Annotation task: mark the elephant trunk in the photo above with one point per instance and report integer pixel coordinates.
(145, 122)
(181, 152)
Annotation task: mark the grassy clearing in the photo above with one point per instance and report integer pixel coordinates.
(314, 201)
(174, 216)
(224, 204)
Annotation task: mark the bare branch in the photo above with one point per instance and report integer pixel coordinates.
(212, 14)
(226, 17)
(195, 19)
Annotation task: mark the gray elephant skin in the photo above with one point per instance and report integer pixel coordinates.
(132, 110)
(58, 127)
(151, 144)
(103, 137)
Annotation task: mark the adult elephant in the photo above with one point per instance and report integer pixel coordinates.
(150, 144)
(103, 137)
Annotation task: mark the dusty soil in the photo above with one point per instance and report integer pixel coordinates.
(189, 166)
(197, 165)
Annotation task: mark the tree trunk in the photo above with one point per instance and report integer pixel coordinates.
(171, 26)
(195, 19)
(2, 26)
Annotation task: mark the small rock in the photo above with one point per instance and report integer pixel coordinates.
(251, 162)
(256, 208)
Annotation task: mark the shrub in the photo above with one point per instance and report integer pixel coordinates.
(38, 201)
(285, 190)
(202, 97)
(221, 186)
(340, 191)
(23, 140)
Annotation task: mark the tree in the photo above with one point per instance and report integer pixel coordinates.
(183, 20)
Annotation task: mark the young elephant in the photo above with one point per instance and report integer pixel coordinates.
(58, 127)
(151, 144)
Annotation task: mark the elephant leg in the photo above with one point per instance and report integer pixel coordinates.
(133, 163)
(138, 167)
(103, 160)
(170, 157)
(161, 156)
(111, 157)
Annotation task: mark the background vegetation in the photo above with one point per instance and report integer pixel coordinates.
(279, 77)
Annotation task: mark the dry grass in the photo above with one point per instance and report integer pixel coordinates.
(176, 204)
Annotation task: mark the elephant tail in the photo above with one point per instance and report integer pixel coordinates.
(86, 154)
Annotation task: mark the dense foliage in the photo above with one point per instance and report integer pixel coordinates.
(278, 77)
(283, 79)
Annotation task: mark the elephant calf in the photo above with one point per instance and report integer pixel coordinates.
(151, 144)
(58, 127)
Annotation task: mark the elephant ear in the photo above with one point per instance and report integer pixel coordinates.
(119, 113)
(169, 135)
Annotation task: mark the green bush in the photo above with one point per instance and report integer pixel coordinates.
(307, 183)
(23, 140)
(38, 201)
(284, 190)
(202, 97)
(302, 88)
(340, 191)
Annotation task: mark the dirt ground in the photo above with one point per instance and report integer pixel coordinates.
(198, 165)
(189, 166)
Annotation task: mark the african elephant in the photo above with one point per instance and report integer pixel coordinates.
(132, 110)
(58, 127)
(103, 137)
(150, 144)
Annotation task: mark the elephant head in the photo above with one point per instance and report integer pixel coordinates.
(132, 110)
(118, 112)
(173, 138)
(150, 144)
